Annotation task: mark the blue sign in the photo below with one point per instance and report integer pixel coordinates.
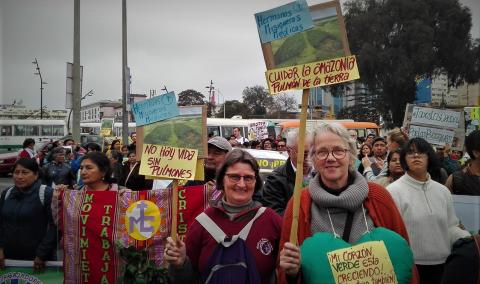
(283, 21)
(155, 109)
(424, 90)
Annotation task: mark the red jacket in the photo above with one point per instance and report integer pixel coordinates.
(264, 234)
(380, 207)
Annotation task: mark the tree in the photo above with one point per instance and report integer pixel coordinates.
(395, 41)
(257, 99)
(190, 97)
(283, 103)
(233, 108)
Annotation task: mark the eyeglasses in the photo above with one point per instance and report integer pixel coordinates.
(411, 154)
(337, 153)
(248, 179)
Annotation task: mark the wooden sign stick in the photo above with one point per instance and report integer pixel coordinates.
(174, 209)
(299, 173)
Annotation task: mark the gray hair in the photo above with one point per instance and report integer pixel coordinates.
(338, 130)
(292, 137)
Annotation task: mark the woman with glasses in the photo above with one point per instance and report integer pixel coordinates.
(338, 203)
(191, 261)
(427, 209)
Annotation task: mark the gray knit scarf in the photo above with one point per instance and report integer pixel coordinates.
(351, 199)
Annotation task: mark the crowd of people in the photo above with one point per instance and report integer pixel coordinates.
(351, 187)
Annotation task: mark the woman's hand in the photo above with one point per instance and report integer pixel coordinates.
(366, 162)
(290, 259)
(175, 252)
(58, 190)
(38, 265)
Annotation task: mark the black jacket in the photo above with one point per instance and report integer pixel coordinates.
(26, 226)
(462, 265)
(135, 181)
(278, 187)
(58, 173)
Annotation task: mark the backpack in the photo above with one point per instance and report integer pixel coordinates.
(41, 193)
(231, 262)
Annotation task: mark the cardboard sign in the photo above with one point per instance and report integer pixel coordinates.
(155, 109)
(443, 118)
(168, 162)
(436, 121)
(363, 263)
(432, 135)
(472, 119)
(467, 209)
(283, 21)
(257, 130)
(106, 127)
(305, 76)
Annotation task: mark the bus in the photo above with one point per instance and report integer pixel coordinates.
(94, 128)
(215, 126)
(362, 128)
(14, 131)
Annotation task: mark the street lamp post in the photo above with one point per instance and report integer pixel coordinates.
(88, 94)
(223, 99)
(37, 67)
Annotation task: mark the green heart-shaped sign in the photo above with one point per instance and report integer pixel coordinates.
(317, 268)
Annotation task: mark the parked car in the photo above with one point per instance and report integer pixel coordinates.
(7, 160)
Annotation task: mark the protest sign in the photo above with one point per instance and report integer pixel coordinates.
(155, 109)
(363, 263)
(326, 39)
(257, 130)
(436, 124)
(302, 62)
(188, 130)
(472, 119)
(106, 127)
(21, 271)
(268, 160)
(315, 74)
(467, 209)
(443, 118)
(283, 21)
(168, 162)
(434, 136)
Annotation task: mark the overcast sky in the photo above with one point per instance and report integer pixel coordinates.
(182, 44)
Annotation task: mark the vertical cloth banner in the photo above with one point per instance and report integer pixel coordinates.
(90, 226)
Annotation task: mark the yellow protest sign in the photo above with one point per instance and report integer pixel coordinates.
(199, 171)
(142, 220)
(168, 162)
(309, 75)
(363, 263)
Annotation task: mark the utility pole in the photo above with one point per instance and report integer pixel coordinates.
(37, 68)
(124, 74)
(77, 93)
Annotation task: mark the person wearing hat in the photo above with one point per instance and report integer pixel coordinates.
(376, 162)
(218, 147)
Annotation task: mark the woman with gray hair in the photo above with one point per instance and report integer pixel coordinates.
(338, 200)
